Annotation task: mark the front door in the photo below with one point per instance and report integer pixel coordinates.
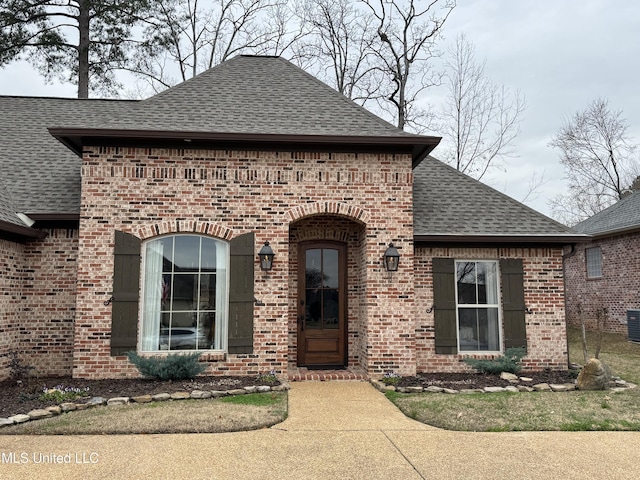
(322, 305)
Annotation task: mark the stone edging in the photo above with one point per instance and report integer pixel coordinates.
(616, 385)
(159, 397)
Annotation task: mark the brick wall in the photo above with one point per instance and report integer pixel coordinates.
(618, 290)
(149, 192)
(11, 296)
(45, 333)
(543, 284)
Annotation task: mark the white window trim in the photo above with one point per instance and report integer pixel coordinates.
(498, 306)
(222, 331)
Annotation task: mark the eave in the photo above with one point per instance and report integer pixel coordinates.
(418, 146)
(20, 232)
(501, 240)
(615, 232)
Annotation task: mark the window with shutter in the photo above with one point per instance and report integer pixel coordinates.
(241, 295)
(513, 306)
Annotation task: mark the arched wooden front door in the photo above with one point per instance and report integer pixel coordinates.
(322, 301)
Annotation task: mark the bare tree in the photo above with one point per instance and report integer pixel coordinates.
(598, 159)
(481, 119)
(408, 31)
(186, 37)
(339, 46)
(83, 41)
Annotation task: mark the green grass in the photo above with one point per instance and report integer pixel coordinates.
(566, 411)
(255, 399)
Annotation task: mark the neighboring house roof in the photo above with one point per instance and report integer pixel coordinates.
(621, 217)
(256, 99)
(452, 207)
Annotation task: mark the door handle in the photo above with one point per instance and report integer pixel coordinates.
(301, 322)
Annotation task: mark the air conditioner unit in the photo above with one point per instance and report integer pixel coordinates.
(633, 325)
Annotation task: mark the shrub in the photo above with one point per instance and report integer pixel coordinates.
(509, 362)
(170, 367)
(61, 393)
(391, 378)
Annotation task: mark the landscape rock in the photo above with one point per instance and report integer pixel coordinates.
(593, 376)
(180, 396)
(433, 389)
(524, 388)
(20, 418)
(237, 391)
(468, 391)
(82, 406)
(118, 401)
(200, 394)
(494, 389)
(68, 406)
(264, 388)
(414, 389)
(96, 401)
(450, 390)
(55, 410)
(509, 376)
(513, 389)
(542, 387)
(218, 393)
(251, 389)
(526, 379)
(558, 388)
(4, 422)
(142, 399)
(38, 414)
(280, 388)
(161, 397)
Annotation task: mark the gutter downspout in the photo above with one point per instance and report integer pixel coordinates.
(566, 256)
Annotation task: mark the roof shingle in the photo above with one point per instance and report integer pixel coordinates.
(621, 216)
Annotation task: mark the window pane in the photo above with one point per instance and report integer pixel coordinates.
(184, 292)
(187, 253)
(207, 300)
(166, 247)
(330, 308)
(594, 262)
(468, 332)
(466, 274)
(206, 330)
(487, 283)
(313, 309)
(313, 268)
(330, 268)
(208, 255)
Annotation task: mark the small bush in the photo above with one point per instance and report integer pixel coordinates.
(509, 362)
(171, 367)
(391, 378)
(61, 394)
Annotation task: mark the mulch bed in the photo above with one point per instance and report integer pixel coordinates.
(23, 397)
(459, 381)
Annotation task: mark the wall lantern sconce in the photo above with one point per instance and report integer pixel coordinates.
(266, 257)
(391, 258)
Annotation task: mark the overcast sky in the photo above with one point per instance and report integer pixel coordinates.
(561, 54)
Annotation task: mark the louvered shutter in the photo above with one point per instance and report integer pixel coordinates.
(513, 307)
(126, 292)
(241, 297)
(444, 302)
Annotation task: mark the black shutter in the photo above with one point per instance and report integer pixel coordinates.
(444, 305)
(126, 292)
(512, 278)
(241, 297)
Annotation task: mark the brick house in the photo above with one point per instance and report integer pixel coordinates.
(136, 225)
(605, 273)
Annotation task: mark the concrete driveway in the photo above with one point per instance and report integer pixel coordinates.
(335, 430)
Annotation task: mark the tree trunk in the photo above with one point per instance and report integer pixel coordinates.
(83, 49)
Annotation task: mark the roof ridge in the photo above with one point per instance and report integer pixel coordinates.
(344, 98)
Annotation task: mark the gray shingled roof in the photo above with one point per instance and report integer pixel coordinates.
(622, 216)
(40, 174)
(448, 203)
(251, 94)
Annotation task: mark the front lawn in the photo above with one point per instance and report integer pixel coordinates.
(570, 411)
